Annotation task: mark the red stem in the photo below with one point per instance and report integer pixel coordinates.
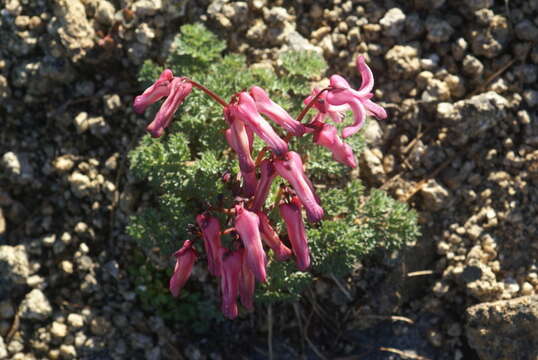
(208, 92)
(310, 104)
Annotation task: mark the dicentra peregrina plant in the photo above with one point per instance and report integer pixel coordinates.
(244, 259)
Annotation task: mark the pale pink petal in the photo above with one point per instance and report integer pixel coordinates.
(267, 174)
(375, 109)
(359, 115)
(246, 284)
(229, 282)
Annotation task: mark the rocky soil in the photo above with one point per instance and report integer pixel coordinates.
(459, 79)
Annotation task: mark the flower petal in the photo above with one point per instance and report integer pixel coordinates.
(275, 112)
(210, 227)
(247, 226)
(367, 77)
(154, 93)
(270, 237)
(291, 213)
(185, 258)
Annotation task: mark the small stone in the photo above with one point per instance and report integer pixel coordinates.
(35, 306)
(48, 240)
(100, 326)
(531, 97)
(63, 163)
(17, 166)
(112, 103)
(438, 30)
(14, 267)
(403, 61)
(526, 30)
(105, 12)
(393, 22)
(68, 352)
(3, 350)
(75, 320)
(472, 66)
(434, 195)
(66, 266)
(147, 7)
(58, 329)
(145, 34)
(81, 122)
(80, 184)
(7, 310)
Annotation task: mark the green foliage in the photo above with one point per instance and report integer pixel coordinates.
(184, 167)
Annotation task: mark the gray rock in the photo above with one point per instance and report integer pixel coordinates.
(480, 280)
(145, 34)
(505, 329)
(526, 30)
(35, 306)
(58, 329)
(471, 117)
(297, 42)
(72, 27)
(68, 352)
(472, 66)
(393, 22)
(438, 30)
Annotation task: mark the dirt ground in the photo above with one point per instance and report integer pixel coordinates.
(460, 145)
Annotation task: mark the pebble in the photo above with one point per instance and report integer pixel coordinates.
(393, 22)
(75, 321)
(526, 30)
(35, 306)
(3, 350)
(531, 97)
(105, 12)
(58, 329)
(438, 30)
(68, 352)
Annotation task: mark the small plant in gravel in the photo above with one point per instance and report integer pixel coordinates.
(233, 177)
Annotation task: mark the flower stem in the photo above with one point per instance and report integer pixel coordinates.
(310, 104)
(208, 92)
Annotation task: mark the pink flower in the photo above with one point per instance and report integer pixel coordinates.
(358, 100)
(185, 258)
(179, 89)
(229, 281)
(246, 283)
(159, 89)
(210, 227)
(247, 225)
(291, 213)
(240, 140)
(245, 110)
(336, 113)
(326, 135)
(291, 168)
(275, 112)
(269, 235)
(264, 184)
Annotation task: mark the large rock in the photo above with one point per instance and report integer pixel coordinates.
(506, 329)
(471, 117)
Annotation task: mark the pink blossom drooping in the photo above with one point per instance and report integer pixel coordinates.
(179, 90)
(247, 225)
(245, 109)
(271, 238)
(229, 281)
(267, 174)
(210, 227)
(291, 213)
(246, 283)
(185, 258)
(291, 168)
(275, 112)
(326, 135)
(358, 101)
(159, 89)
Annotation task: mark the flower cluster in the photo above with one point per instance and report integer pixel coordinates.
(243, 262)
